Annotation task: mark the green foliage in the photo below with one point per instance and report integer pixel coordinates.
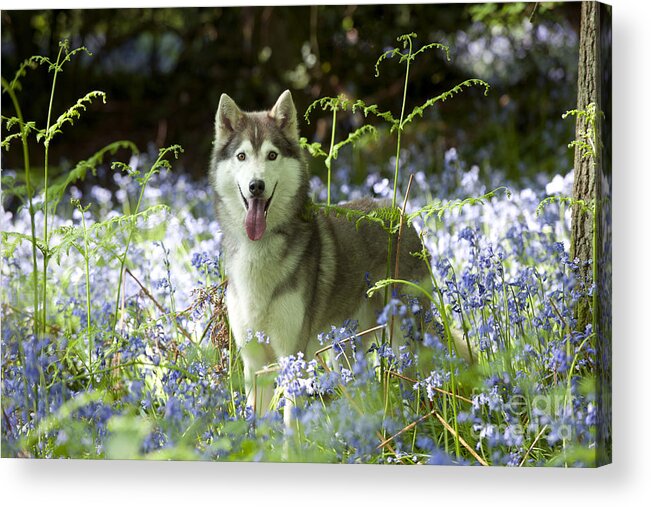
(342, 103)
(69, 116)
(512, 13)
(409, 56)
(386, 217)
(439, 208)
(333, 104)
(160, 163)
(418, 110)
(61, 416)
(584, 206)
(78, 173)
(31, 63)
(127, 434)
(587, 140)
(316, 150)
(11, 240)
(25, 129)
(103, 233)
(91, 242)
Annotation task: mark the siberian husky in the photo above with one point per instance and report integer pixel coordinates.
(290, 275)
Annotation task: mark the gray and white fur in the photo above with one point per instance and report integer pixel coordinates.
(290, 276)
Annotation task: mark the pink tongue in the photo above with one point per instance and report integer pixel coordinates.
(256, 222)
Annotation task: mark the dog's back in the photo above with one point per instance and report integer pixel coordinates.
(361, 250)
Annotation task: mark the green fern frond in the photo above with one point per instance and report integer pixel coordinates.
(31, 63)
(439, 208)
(125, 168)
(11, 240)
(386, 217)
(10, 121)
(79, 172)
(69, 235)
(64, 46)
(585, 206)
(162, 162)
(388, 54)
(122, 220)
(386, 282)
(433, 45)
(24, 132)
(468, 83)
(314, 149)
(342, 103)
(587, 140)
(7, 140)
(69, 116)
(326, 103)
(406, 39)
(10, 187)
(353, 137)
(359, 105)
(383, 216)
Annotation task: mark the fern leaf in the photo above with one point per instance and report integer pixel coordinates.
(373, 109)
(383, 216)
(439, 208)
(419, 110)
(31, 63)
(79, 172)
(313, 148)
(388, 54)
(353, 137)
(7, 140)
(11, 240)
(584, 206)
(69, 116)
(433, 45)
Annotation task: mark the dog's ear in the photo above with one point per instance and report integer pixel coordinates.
(284, 114)
(227, 117)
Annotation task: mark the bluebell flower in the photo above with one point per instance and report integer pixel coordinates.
(296, 376)
(435, 380)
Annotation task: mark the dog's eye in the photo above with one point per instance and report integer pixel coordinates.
(241, 157)
(272, 155)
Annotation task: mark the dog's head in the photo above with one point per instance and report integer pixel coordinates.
(257, 167)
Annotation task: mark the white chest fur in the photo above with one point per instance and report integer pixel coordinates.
(255, 272)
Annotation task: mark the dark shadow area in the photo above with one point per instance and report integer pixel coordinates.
(164, 69)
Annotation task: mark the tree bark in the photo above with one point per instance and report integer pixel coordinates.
(586, 183)
(591, 242)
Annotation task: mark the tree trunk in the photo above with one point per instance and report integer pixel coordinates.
(591, 241)
(586, 169)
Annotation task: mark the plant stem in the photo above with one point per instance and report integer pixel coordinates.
(328, 161)
(400, 127)
(30, 192)
(395, 183)
(28, 185)
(123, 258)
(453, 388)
(46, 143)
(91, 344)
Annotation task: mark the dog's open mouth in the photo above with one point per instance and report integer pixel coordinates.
(255, 222)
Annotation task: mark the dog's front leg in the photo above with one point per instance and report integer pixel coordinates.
(259, 385)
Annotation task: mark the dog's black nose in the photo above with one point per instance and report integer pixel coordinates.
(256, 187)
